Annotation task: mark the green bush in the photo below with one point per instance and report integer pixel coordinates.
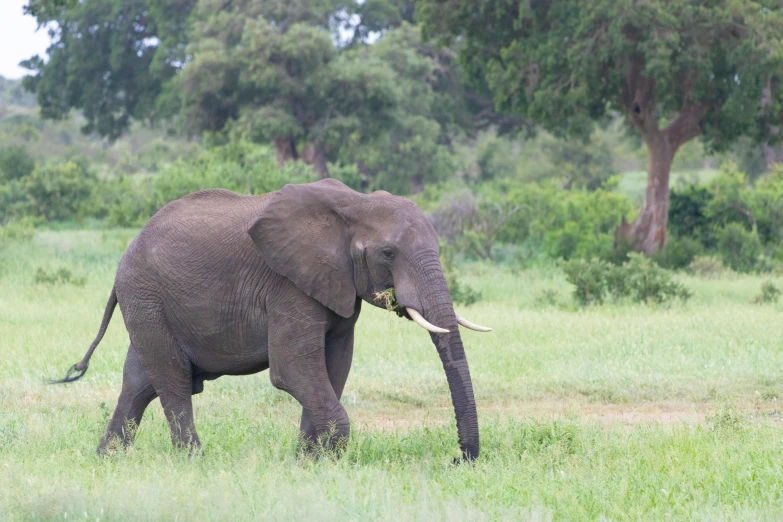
(542, 217)
(61, 276)
(240, 167)
(589, 279)
(678, 253)
(740, 248)
(51, 191)
(21, 230)
(639, 279)
(709, 267)
(15, 163)
(770, 294)
(461, 293)
(688, 215)
(647, 282)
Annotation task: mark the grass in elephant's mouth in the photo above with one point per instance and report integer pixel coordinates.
(388, 299)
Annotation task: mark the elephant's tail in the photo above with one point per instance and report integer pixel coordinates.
(78, 370)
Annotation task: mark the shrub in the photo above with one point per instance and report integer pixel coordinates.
(542, 217)
(740, 249)
(547, 297)
(240, 167)
(589, 279)
(709, 267)
(15, 163)
(56, 191)
(678, 253)
(639, 278)
(770, 294)
(647, 282)
(17, 231)
(61, 276)
(461, 293)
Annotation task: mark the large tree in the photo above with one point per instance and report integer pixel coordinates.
(677, 69)
(111, 59)
(274, 72)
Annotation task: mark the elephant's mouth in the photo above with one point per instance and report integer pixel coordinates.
(388, 299)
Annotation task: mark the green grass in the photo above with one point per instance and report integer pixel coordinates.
(613, 413)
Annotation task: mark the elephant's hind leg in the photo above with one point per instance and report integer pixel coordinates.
(171, 376)
(137, 392)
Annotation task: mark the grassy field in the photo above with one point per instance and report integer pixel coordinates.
(613, 413)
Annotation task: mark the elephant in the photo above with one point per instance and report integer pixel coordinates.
(218, 283)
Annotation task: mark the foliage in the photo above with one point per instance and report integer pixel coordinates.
(741, 250)
(674, 70)
(413, 148)
(61, 276)
(708, 267)
(639, 278)
(51, 191)
(461, 293)
(17, 231)
(589, 279)
(111, 59)
(585, 164)
(15, 163)
(240, 167)
(647, 282)
(276, 76)
(559, 223)
(678, 253)
(740, 220)
(388, 299)
(770, 294)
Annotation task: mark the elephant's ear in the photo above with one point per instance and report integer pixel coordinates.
(302, 235)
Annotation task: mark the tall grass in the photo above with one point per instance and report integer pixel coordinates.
(615, 413)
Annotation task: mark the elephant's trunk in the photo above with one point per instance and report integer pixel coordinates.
(439, 310)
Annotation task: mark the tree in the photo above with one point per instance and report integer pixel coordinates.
(114, 59)
(676, 69)
(274, 74)
(111, 59)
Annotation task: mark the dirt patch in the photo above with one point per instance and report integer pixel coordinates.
(667, 413)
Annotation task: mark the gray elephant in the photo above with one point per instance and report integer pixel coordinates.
(222, 284)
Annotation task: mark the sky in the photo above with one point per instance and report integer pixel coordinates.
(18, 38)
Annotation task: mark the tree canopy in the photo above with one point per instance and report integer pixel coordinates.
(350, 83)
(676, 69)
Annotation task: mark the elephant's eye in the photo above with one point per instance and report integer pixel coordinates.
(388, 253)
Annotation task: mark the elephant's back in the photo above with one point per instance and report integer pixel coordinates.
(195, 236)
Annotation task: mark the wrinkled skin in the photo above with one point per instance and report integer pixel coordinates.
(221, 284)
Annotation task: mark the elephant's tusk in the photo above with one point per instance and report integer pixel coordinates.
(421, 321)
(473, 326)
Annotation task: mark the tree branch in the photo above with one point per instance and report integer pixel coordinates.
(687, 124)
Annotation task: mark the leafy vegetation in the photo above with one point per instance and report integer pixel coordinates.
(639, 278)
(770, 294)
(676, 71)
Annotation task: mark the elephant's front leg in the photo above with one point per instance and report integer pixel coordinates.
(298, 365)
(339, 353)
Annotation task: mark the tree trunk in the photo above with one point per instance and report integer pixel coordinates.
(416, 183)
(648, 232)
(286, 150)
(315, 155)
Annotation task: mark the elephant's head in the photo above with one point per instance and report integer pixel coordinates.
(336, 244)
